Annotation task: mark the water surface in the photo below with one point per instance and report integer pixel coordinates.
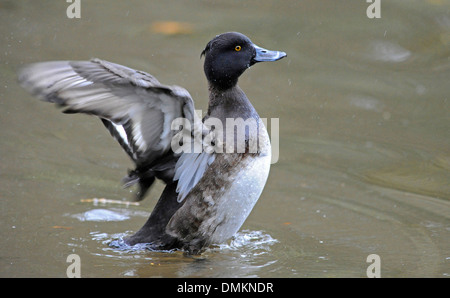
(364, 161)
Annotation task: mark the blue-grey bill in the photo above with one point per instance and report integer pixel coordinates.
(263, 55)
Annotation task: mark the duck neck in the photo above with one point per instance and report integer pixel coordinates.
(229, 103)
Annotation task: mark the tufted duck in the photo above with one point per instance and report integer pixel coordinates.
(208, 195)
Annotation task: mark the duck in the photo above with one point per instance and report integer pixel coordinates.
(209, 192)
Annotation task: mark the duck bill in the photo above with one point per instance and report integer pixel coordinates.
(263, 55)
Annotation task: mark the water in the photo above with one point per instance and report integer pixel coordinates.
(364, 138)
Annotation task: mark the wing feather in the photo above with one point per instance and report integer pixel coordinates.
(117, 94)
(135, 107)
(189, 170)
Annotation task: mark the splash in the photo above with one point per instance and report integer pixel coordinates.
(121, 245)
(249, 241)
(245, 240)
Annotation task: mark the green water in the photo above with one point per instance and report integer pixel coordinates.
(363, 107)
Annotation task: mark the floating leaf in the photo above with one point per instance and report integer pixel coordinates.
(171, 28)
(62, 227)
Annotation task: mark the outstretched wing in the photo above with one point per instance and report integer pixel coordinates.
(136, 108)
(133, 105)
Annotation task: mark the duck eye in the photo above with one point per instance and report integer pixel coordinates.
(237, 48)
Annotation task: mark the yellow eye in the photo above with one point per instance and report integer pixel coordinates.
(237, 48)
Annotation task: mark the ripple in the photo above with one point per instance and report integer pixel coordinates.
(242, 256)
(366, 103)
(425, 177)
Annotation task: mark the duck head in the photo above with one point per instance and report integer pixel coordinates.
(228, 55)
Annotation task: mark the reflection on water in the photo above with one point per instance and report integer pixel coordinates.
(388, 52)
(364, 165)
